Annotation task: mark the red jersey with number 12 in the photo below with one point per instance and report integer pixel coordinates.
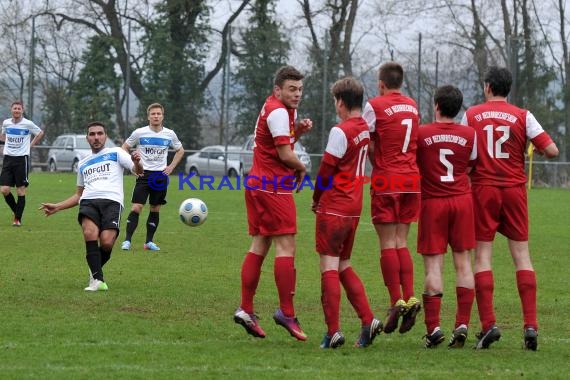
(502, 132)
(346, 150)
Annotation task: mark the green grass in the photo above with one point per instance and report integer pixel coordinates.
(169, 314)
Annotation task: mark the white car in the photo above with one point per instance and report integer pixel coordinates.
(247, 155)
(211, 160)
(67, 150)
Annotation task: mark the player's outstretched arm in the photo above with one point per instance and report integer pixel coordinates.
(52, 208)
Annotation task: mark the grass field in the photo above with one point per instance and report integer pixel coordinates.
(168, 315)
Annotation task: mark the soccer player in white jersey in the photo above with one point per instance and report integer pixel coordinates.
(16, 133)
(100, 198)
(153, 142)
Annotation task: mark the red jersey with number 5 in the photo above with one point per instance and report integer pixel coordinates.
(347, 150)
(393, 120)
(445, 151)
(502, 132)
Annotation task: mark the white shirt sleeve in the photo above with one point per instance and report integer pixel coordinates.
(133, 139)
(278, 122)
(464, 119)
(533, 127)
(175, 143)
(125, 159)
(369, 115)
(337, 144)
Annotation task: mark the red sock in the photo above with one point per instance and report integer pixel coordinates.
(432, 307)
(484, 286)
(465, 298)
(390, 266)
(330, 299)
(406, 272)
(250, 273)
(284, 272)
(356, 294)
(526, 284)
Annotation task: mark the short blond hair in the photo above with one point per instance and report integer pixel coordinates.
(154, 105)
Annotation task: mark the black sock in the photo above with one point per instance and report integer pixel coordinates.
(93, 257)
(152, 225)
(105, 256)
(11, 201)
(20, 207)
(132, 223)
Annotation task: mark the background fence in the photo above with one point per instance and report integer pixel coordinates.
(544, 173)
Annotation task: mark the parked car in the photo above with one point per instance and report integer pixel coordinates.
(67, 150)
(247, 155)
(211, 160)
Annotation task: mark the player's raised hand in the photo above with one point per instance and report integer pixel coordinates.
(135, 156)
(304, 126)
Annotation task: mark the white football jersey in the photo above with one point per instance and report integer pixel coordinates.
(18, 136)
(153, 146)
(101, 174)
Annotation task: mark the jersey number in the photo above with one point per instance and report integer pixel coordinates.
(408, 124)
(361, 164)
(442, 158)
(494, 147)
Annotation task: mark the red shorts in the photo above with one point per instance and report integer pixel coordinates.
(335, 235)
(502, 209)
(395, 207)
(446, 221)
(269, 213)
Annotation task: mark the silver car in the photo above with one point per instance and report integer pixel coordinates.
(211, 160)
(247, 155)
(67, 150)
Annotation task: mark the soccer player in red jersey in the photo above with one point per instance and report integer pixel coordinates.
(393, 119)
(271, 212)
(338, 208)
(445, 151)
(500, 199)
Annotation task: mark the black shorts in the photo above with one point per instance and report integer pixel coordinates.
(15, 171)
(106, 214)
(151, 185)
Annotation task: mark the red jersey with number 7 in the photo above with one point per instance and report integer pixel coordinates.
(502, 132)
(393, 120)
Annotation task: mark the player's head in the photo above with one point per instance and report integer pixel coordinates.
(498, 80)
(391, 75)
(448, 99)
(349, 92)
(17, 109)
(96, 135)
(155, 114)
(288, 86)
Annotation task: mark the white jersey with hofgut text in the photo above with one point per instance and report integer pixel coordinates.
(101, 174)
(18, 136)
(153, 146)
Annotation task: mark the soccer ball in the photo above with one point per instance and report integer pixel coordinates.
(193, 212)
